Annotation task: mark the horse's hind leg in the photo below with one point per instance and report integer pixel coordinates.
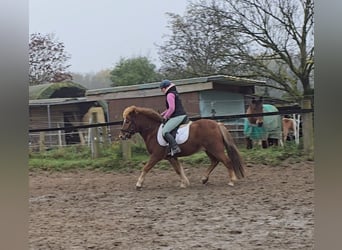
(180, 171)
(249, 143)
(222, 157)
(231, 174)
(264, 144)
(213, 164)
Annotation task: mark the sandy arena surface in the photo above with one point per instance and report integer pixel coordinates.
(272, 208)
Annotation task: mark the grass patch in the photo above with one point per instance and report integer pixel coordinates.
(273, 155)
(79, 157)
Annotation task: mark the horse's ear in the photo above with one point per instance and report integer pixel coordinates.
(129, 110)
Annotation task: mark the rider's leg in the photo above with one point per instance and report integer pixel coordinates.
(171, 124)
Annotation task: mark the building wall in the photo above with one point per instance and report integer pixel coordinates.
(39, 119)
(116, 107)
(221, 103)
(196, 104)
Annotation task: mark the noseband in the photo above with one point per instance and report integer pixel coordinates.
(131, 128)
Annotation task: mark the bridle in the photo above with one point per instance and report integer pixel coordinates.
(131, 130)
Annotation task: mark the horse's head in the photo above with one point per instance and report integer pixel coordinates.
(138, 120)
(255, 107)
(128, 127)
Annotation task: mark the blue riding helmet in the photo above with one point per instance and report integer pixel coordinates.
(165, 83)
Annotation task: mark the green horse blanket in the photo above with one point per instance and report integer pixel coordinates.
(271, 127)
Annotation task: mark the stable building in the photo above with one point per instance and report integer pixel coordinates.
(59, 105)
(210, 96)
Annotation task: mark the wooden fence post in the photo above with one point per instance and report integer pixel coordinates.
(60, 141)
(80, 134)
(42, 142)
(126, 149)
(105, 136)
(95, 138)
(308, 135)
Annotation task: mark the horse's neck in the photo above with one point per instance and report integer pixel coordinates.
(148, 129)
(149, 134)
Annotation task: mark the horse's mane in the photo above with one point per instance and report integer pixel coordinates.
(145, 111)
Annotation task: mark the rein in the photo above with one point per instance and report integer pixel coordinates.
(132, 128)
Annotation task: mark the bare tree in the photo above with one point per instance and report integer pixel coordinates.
(47, 59)
(199, 45)
(268, 40)
(278, 38)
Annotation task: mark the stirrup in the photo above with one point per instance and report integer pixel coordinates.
(174, 151)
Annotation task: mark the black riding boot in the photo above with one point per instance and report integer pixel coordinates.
(172, 144)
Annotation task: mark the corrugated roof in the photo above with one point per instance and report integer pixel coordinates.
(57, 101)
(65, 101)
(48, 90)
(222, 79)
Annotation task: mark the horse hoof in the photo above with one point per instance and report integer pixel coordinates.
(204, 180)
(138, 188)
(231, 184)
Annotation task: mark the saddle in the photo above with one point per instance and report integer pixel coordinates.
(180, 133)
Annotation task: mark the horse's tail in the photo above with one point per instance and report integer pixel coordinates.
(233, 152)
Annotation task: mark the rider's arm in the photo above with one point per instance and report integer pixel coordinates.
(170, 98)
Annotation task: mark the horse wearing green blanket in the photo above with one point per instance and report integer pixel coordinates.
(268, 129)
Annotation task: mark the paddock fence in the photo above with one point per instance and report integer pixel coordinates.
(97, 135)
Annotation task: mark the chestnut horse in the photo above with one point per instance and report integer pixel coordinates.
(291, 125)
(205, 134)
(268, 129)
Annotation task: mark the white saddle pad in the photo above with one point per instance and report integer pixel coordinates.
(181, 136)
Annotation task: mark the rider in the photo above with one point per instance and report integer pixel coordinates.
(173, 115)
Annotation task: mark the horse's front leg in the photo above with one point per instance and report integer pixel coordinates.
(150, 164)
(180, 171)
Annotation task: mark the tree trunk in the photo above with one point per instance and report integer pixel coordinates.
(308, 135)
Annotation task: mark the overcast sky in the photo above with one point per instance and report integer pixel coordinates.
(98, 33)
